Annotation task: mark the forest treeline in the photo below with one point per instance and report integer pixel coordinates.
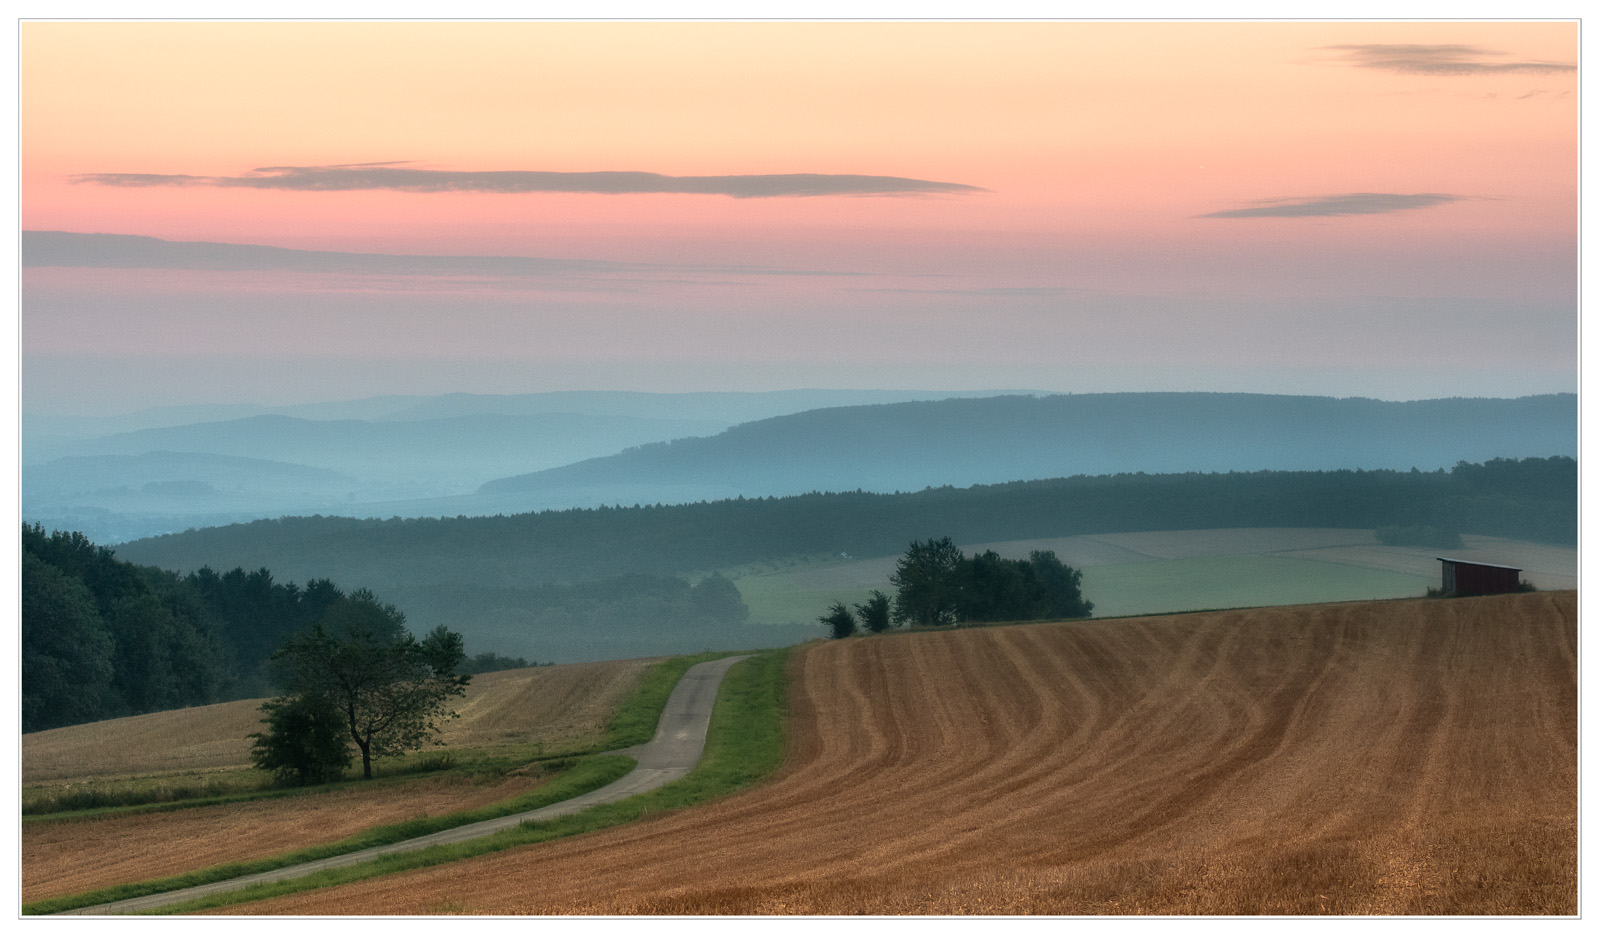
(1533, 499)
(668, 603)
(103, 638)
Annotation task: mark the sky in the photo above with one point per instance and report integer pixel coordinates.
(276, 212)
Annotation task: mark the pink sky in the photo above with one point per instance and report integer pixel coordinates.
(1398, 182)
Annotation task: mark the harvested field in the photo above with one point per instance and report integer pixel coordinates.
(560, 705)
(1401, 757)
(60, 858)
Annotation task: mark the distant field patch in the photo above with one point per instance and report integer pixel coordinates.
(1166, 571)
(1224, 582)
(779, 598)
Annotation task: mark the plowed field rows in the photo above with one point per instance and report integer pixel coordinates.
(1390, 757)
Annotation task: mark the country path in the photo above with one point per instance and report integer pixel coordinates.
(674, 751)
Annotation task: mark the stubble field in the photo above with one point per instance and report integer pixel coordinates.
(553, 706)
(1404, 757)
(564, 705)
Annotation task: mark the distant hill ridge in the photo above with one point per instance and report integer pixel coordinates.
(912, 445)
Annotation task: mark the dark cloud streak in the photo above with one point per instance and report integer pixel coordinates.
(369, 176)
(1354, 203)
(118, 251)
(1416, 59)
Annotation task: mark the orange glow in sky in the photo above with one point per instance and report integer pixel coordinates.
(1103, 151)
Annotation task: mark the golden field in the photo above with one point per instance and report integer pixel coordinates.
(1398, 757)
(557, 707)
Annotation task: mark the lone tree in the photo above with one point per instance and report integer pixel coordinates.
(390, 690)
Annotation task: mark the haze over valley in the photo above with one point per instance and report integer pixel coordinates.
(484, 454)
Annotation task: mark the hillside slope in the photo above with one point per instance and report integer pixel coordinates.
(909, 446)
(1414, 757)
(559, 707)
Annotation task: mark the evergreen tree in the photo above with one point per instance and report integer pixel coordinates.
(840, 623)
(874, 613)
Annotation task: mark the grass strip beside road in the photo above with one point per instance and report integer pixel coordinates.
(743, 746)
(636, 720)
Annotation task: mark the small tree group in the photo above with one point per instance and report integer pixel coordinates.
(873, 616)
(358, 677)
(937, 585)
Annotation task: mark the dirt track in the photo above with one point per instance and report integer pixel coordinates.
(1396, 757)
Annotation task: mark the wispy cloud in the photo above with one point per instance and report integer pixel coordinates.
(1414, 59)
(1354, 203)
(997, 292)
(75, 249)
(399, 178)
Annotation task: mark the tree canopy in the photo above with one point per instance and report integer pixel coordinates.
(840, 621)
(391, 690)
(102, 638)
(874, 614)
(306, 742)
(937, 584)
(926, 581)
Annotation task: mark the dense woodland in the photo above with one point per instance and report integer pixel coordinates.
(102, 638)
(1534, 499)
(109, 634)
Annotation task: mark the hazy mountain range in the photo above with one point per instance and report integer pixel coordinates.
(217, 464)
(487, 454)
(910, 446)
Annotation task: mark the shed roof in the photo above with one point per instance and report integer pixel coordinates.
(1475, 563)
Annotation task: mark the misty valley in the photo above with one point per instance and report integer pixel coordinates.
(586, 527)
(165, 471)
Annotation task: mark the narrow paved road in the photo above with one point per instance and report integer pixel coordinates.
(679, 741)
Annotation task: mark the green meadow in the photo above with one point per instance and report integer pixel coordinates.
(803, 589)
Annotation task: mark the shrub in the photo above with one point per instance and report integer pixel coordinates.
(306, 742)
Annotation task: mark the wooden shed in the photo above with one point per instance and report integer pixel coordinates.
(1467, 578)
